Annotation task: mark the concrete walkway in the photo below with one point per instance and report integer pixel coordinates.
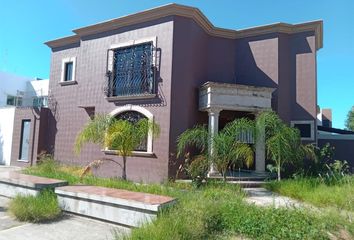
(68, 228)
(8, 168)
(264, 197)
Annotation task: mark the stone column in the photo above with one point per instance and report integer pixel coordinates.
(213, 130)
(260, 150)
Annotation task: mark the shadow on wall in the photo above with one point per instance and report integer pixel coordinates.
(252, 68)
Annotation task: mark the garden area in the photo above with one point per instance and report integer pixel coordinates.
(215, 210)
(211, 209)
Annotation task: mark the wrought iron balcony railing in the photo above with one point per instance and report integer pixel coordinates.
(132, 73)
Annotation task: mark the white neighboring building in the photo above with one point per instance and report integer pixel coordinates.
(7, 116)
(36, 93)
(9, 86)
(15, 92)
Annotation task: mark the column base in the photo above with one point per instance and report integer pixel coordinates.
(213, 172)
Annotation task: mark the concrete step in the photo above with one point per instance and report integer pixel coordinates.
(126, 208)
(13, 183)
(248, 184)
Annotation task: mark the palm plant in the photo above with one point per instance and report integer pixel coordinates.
(283, 143)
(227, 149)
(119, 135)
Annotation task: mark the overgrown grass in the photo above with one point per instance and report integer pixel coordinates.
(214, 211)
(313, 191)
(52, 169)
(41, 208)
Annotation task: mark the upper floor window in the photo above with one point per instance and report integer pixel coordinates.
(132, 71)
(14, 100)
(40, 101)
(306, 129)
(68, 71)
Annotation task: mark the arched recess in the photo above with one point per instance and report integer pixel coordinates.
(145, 112)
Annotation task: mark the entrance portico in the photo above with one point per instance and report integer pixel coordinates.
(215, 97)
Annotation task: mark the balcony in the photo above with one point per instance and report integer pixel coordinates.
(133, 74)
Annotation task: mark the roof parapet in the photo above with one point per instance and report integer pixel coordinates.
(195, 14)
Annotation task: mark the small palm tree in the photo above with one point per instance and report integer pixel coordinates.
(119, 135)
(283, 143)
(227, 149)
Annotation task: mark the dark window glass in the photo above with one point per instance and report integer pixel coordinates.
(25, 139)
(19, 101)
(68, 71)
(133, 70)
(11, 100)
(305, 130)
(40, 101)
(134, 117)
(326, 123)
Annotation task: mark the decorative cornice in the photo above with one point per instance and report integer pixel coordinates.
(198, 17)
(63, 41)
(236, 86)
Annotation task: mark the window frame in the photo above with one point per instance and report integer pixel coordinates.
(21, 140)
(149, 152)
(13, 99)
(312, 128)
(64, 63)
(110, 65)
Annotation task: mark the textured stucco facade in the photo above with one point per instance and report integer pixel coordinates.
(190, 53)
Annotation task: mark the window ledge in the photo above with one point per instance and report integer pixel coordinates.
(22, 160)
(68, 83)
(134, 153)
(130, 97)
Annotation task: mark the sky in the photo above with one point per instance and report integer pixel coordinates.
(26, 24)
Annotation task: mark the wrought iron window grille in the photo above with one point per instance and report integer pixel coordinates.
(132, 71)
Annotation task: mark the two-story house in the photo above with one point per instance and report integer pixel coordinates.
(170, 64)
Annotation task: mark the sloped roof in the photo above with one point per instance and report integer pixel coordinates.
(195, 14)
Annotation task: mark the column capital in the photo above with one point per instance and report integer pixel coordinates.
(214, 111)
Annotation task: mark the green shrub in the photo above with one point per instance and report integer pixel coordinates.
(197, 169)
(41, 208)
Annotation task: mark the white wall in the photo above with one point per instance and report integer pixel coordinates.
(35, 88)
(9, 84)
(7, 116)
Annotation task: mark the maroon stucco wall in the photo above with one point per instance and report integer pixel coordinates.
(189, 58)
(21, 114)
(282, 61)
(90, 76)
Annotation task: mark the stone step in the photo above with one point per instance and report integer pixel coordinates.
(248, 184)
(130, 209)
(14, 183)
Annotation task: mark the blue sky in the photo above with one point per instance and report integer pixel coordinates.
(26, 24)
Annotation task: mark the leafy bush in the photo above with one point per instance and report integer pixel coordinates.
(196, 168)
(41, 208)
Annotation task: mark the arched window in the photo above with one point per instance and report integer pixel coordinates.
(133, 114)
(134, 117)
